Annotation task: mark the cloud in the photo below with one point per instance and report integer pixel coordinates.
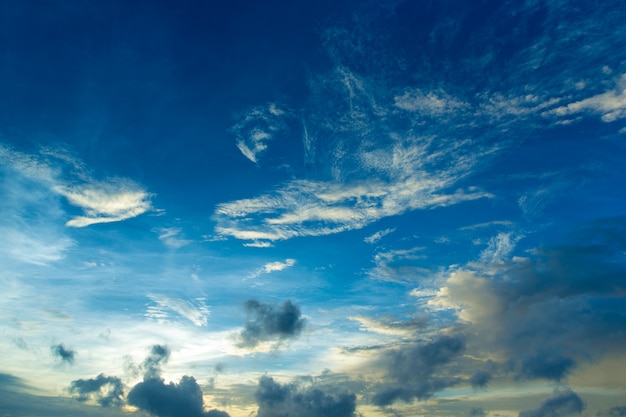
(477, 412)
(105, 390)
(60, 173)
(278, 266)
(545, 313)
(197, 312)
(106, 202)
(416, 371)
(398, 265)
(64, 354)
(270, 323)
(391, 327)
(182, 399)
(619, 411)
(611, 105)
(169, 236)
(560, 404)
(480, 379)
(275, 400)
(378, 235)
(259, 126)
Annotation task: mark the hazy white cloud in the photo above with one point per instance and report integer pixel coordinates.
(276, 266)
(258, 245)
(170, 237)
(499, 248)
(398, 265)
(32, 246)
(258, 127)
(610, 106)
(195, 311)
(378, 235)
(433, 103)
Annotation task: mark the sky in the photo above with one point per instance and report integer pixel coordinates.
(302, 208)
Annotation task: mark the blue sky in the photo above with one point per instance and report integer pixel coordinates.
(313, 208)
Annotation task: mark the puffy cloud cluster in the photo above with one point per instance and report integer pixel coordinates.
(269, 322)
(419, 371)
(561, 404)
(278, 400)
(64, 354)
(152, 394)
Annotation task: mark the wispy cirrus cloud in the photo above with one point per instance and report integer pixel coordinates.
(62, 174)
(195, 311)
(378, 235)
(259, 126)
(170, 237)
(106, 202)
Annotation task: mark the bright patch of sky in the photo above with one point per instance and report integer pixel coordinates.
(331, 209)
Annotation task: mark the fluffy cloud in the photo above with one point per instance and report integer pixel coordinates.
(418, 371)
(276, 400)
(64, 354)
(105, 390)
(269, 322)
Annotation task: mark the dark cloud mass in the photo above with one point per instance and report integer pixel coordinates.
(182, 399)
(269, 322)
(417, 370)
(66, 355)
(276, 400)
(105, 390)
(546, 365)
(480, 379)
(560, 404)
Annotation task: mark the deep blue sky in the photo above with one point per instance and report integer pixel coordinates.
(395, 208)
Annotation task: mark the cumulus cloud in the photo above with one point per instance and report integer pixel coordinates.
(275, 399)
(546, 312)
(560, 404)
(105, 390)
(64, 354)
(269, 322)
(417, 371)
(480, 379)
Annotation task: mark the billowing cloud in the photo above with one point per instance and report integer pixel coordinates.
(269, 322)
(560, 404)
(105, 390)
(275, 399)
(417, 371)
(64, 354)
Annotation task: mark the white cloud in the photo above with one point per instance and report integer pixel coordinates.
(258, 127)
(276, 266)
(169, 236)
(32, 246)
(258, 244)
(197, 311)
(398, 265)
(378, 235)
(428, 102)
(106, 202)
(499, 248)
(610, 105)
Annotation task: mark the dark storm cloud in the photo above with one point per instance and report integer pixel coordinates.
(66, 355)
(182, 399)
(617, 411)
(416, 370)
(477, 412)
(545, 365)
(547, 312)
(269, 322)
(106, 390)
(561, 404)
(276, 400)
(152, 364)
(480, 379)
